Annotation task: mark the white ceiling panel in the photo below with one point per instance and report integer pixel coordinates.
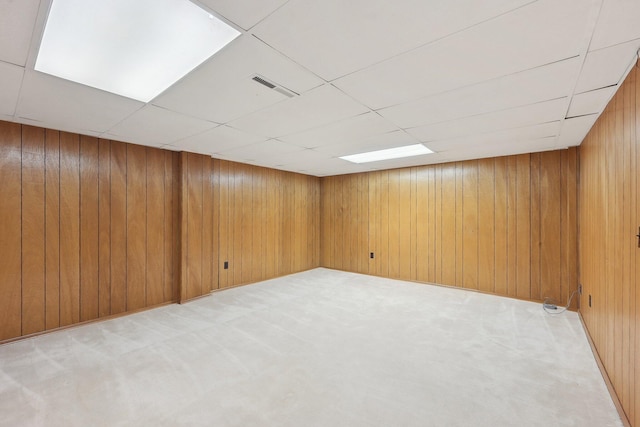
(575, 129)
(526, 38)
(222, 89)
(242, 13)
(64, 105)
(509, 136)
(221, 138)
(156, 126)
(342, 132)
(10, 81)
(617, 23)
(317, 107)
(381, 141)
(501, 149)
(17, 21)
(590, 102)
(528, 87)
(605, 67)
(262, 151)
(490, 122)
(355, 34)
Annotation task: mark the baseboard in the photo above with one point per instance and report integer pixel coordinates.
(604, 374)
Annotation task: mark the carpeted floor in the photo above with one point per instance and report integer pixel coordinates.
(319, 348)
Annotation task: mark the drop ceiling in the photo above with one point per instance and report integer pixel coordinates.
(467, 79)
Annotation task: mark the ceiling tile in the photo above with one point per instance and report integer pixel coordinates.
(509, 136)
(574, 130)
(266, 150)
(528, 87)
(614, 24)
(222, 89)
(590, 102)
(317, 107)
(355, 34)
(381, 141)
(501, 149)
(17, 20)
(540, 33)
(156, 126)
(64, 105)
(221, 138)
(342, 132)
(527, 115)
(241, 13)
(10, 81)
(607, 66)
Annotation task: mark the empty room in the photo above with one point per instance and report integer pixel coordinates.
(319, 213)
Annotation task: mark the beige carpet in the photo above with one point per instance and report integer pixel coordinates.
(319, 348)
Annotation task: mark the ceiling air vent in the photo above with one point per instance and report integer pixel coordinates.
(271, 85)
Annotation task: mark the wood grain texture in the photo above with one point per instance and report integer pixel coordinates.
(52, 229)
(609, 216)
(10, 230)
(33, 230)
(69, 229)
(118, 229)
(104, 228)
(89, 245)
(471, 223)
(136, 226)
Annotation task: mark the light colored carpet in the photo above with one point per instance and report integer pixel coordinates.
(319, 348)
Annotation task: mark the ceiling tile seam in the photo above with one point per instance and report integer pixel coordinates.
(486, 113)
(218, 15)
(436, 40)
(19, 97)
(592, 24)
(294, 61)
(637, 39)
(596, 89)
(491, 132)
(128, 116)
(12, 63)
(268, 15)
(324, 125)
(470, 85)
(582, 115)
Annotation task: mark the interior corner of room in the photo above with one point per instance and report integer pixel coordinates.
(525, 186)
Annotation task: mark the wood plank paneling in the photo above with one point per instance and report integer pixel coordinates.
(136, 226)
(104, 228)
(52, 227)
(70, 229)
(609, 216)
(472, 223)
(93, 228)
(10, 230)
(89, 245)
(33, 230)
(118, 231)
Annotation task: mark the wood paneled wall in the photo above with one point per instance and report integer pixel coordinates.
(91, 228)
(267, 221)
(86, 228)
(609, 248)
(504, 225)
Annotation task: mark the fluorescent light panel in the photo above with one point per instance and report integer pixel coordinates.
(389, 153)
(133, 48)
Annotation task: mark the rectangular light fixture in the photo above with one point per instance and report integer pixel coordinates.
(133, 48)
(389, 153)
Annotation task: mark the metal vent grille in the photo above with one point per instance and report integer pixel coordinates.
(264, 82)
(283, 90)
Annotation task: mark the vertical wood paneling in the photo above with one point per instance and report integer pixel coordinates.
(10, 226)
(89, 246)
(609, 217)
(136, 226)
(486, 225)
(52, 228)
(70, 229)
(475, 224)
(33, 230)
(118, 231)
(470, 225)
(523, 225)
(155, 227)
(104, 228)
